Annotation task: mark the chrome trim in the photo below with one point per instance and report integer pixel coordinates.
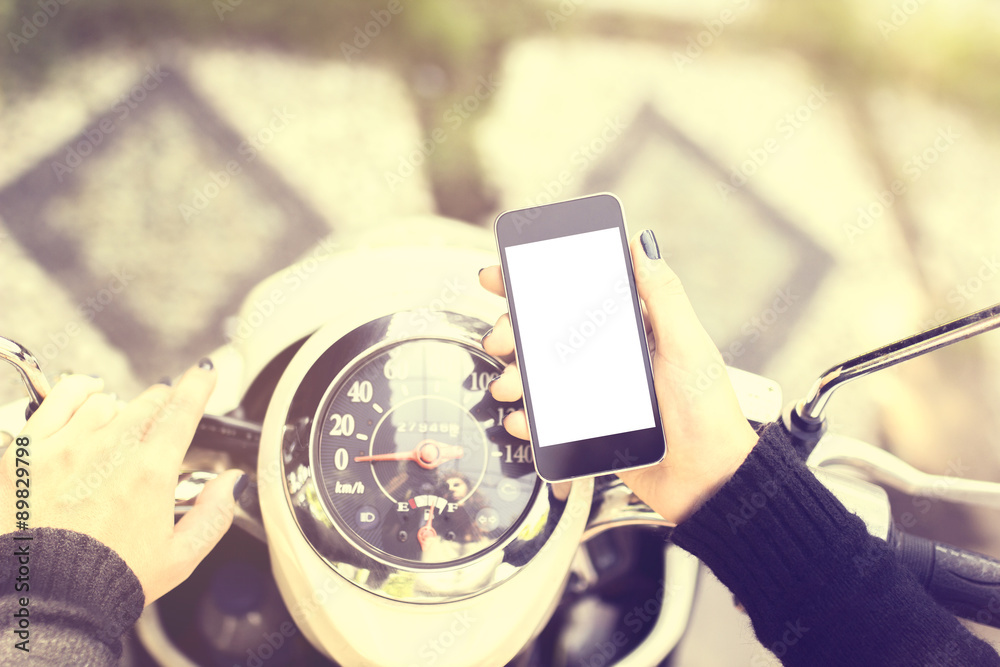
(28, 368)
(616, 506)
(190, 485)
(680, 583)
(356, 562)
(153, 637)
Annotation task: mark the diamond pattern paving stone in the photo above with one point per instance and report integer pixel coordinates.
(157, 224)
(750, 262)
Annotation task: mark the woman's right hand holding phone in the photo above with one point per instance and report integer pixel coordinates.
(707, 436)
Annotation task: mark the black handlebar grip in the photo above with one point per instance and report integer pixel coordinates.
(30, 410)
(227, 434)
(963, 582)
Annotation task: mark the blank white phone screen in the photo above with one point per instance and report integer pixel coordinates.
(580, 345)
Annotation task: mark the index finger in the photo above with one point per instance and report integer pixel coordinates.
(492, 280)
(179, 418)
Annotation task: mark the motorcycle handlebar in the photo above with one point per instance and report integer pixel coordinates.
(228, 434)
(963, 582)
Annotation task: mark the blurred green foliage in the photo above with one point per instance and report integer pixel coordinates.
(458, 35)
(864, 46)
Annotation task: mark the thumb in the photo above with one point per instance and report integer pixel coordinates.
(198, 531)
(676, 327)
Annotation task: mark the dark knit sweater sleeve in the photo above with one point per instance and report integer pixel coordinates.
(81, 598)
(819, 589)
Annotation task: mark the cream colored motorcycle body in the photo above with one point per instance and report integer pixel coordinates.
(470, 596)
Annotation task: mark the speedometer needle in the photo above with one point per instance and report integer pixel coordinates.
(428, 454)
(426, 531)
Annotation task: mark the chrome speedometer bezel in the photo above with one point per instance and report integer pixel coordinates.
(333, 358)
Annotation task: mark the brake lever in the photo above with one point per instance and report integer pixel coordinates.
(884, 468)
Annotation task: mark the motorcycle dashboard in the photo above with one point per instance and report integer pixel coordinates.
(395, 463)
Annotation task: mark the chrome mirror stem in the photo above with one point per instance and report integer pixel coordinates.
(30, 371)
(806, 419)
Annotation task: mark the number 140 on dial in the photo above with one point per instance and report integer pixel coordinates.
(517, 454)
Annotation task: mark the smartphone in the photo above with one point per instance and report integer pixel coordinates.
(579, 338)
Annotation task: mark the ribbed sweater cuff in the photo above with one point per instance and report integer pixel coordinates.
(74, 580)
(777, 538)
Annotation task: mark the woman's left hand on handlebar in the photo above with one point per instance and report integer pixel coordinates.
(108, 469)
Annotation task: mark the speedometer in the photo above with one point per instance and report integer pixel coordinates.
(395, 463)
(411, 458)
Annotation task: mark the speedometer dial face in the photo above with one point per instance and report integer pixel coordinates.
(412, 459)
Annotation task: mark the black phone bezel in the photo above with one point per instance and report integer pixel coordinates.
(603, 454)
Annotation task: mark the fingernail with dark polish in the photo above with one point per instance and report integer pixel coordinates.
(164, 380)
(240, 486)
(481, 271)
(482, 341)
(206, 364)
(648, 240)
